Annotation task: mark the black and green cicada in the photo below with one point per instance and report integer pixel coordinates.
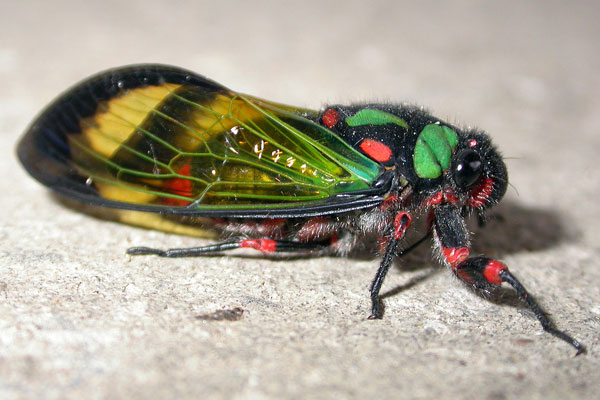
(270, 177)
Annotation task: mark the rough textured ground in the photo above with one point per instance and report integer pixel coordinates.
(80, 319)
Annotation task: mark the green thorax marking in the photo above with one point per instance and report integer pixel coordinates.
(433, 151)
(375, 117)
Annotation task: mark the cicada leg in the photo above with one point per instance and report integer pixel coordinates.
(401, 224)
(265, 246)
(451, 239)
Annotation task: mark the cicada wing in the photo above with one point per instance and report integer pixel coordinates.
(161, 139)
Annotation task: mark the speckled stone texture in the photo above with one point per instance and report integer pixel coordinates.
(80, 319)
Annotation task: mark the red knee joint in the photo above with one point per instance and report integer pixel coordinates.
(491, 271)
(262, 245)
(455, 255)
(401, 224)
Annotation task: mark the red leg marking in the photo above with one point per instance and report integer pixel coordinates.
(263, 245)
(471, 269)
(401, 224)
(491, 271)
(455, 255)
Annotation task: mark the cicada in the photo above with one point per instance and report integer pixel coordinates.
(271, 177)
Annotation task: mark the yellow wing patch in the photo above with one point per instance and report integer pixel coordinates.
(118, 193)
(118, 117)
(199, 228)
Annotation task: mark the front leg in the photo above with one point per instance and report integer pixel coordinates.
(401, 224)
(452, 241)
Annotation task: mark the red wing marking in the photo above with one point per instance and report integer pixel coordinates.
(180, 187)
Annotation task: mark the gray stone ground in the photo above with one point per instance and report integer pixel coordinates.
(80, 319)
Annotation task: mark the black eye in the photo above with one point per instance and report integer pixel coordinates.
(467, 168)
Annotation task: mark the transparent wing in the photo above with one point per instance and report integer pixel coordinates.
(162, 139)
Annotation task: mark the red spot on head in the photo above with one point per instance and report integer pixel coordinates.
(472, 143)
(330, 117)
(180, 187)
(491, 271)
(481, 192)
(455, 255)
(376, 150)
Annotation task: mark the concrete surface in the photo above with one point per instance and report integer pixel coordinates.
(80, 319)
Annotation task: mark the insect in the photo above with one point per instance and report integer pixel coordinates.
(271, 177)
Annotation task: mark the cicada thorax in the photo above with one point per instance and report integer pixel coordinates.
(439, 162)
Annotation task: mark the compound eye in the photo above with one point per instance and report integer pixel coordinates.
(467, 168)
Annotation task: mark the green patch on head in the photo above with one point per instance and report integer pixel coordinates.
(433, 151)
(375, 117)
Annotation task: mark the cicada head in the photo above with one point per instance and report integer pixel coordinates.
(457, 166)
(477, 170)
